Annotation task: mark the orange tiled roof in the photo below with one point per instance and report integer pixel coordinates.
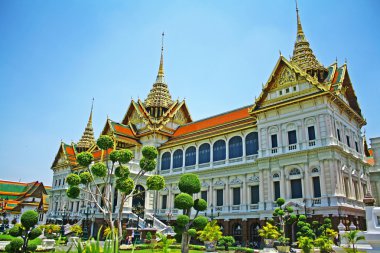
(70, 150)
(98, 153)
(220, 119)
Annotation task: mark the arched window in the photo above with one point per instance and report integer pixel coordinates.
(219, 150)
(190, 156)
(235, 147)
(204, 153)
(252, 144)
(294, 171)
(165, 161)
(276, 175)
(178, 158)
(314, 170)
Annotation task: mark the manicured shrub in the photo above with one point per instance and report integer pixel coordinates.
(85, 159)
(29, 219)
(105, 142)
(34, 233)
(125, 156)
(192, 232)
(115, 156)
(149, 152)
(189, 183)
(125, 185)
(15, 231)
(183, 201)
(155, 182)
(73, 179)
(182, 220)
(200, 205)
(147, 164)
(85, 177)
(73, 192)
(122, 171)
(200, 222)
(99, 169)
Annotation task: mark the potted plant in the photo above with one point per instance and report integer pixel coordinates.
(269, 232)
(283, 247)
(210, 235)
(148, 237)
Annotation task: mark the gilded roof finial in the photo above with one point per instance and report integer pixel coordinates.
(161, 73)
(88, 135)
(303, 55)
(159, 95)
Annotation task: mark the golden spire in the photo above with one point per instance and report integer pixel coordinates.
(159, 96)
(303, 55)
(161, 73)
(88, 135)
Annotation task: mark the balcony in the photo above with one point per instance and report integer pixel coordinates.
(274, 150)
(218, 163)
(292, 147)
(312, 143)
(235, 160)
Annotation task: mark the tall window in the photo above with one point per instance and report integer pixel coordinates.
(252, 144)
(274, 140)
(164, 201)
(316, 187)
(165, 161)
(338, 134)
(190, 156)
(219, 197)
(219, 150)
(204, 153)
(292, 137)
(356, 146)
(115, 194)
(236, 196)
(178, 158)
(255, 194)
(204, 195)
(348, 140)
(311, 133)
(296, 188)
(276, 186)
(235, 147)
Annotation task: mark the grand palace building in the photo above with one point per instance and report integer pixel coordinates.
(300, 139)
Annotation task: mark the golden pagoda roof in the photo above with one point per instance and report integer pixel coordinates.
(303, 55)
(88, 138)
(159, 95)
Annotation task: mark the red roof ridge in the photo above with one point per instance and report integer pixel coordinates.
(19, 183)
(217, 115)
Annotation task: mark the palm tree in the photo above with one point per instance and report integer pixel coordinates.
(353, 237)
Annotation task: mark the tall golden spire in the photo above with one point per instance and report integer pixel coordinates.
(88, 135)
(159, 96)
(161, 73)
(303, 55)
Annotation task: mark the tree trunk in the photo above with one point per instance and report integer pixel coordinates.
(185, 243)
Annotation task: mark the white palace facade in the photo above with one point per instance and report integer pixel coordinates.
(300, 140)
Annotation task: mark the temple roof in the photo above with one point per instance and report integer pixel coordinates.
(159, 95)
(18, 192)
(88, 138)
(303, 55)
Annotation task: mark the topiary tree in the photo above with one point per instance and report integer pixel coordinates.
(27, 231)
(226, 241)
(186, 228)
(111, 170)
(284, 216)
(304, 228)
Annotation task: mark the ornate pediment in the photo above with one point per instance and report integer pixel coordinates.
(236, 181)
(254, 179)
(219, 183)
(287, 76)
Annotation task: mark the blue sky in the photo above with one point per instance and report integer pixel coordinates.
(55, 56)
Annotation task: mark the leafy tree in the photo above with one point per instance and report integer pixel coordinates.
(269, 231)
(353, 237)
(306, 243)
(185, 228)
(111, 169)
(27, 231)
(210, 233)
(164, 242)
(304, 228)
(226, 241)
(326, 235)
(284, 216)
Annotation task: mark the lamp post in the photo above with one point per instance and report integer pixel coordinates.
(63, 221)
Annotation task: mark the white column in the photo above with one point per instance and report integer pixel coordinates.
(261, 189)
(306, 182)
(243, 146)
(322, 179)
(283, 187)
